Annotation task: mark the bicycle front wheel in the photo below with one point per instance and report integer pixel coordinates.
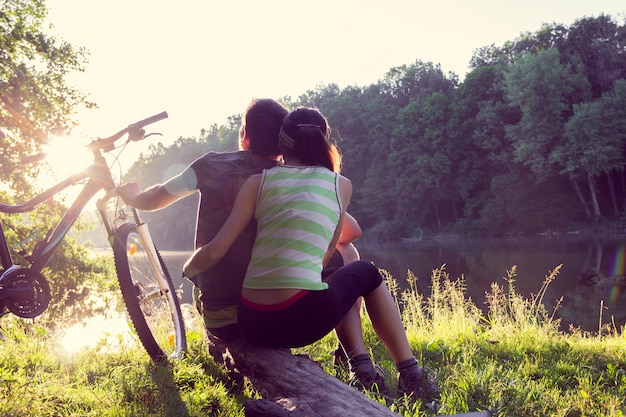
(149, 295)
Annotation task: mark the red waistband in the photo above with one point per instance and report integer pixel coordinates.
(274, 307)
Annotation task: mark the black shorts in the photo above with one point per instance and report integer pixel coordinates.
(335, 261)
(315, 314)
(231, 331)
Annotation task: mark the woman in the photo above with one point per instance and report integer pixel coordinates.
(300, 208)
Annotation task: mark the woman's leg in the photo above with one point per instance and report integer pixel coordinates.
(349, 283)
(363, 279)
(349, 330)
(387, 323)
(350, 333)
(364, 374)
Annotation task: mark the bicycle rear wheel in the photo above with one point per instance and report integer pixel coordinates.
(154, 309)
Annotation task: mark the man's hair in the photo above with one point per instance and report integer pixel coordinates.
(263, 119)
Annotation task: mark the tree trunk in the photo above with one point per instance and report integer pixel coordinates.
(609, 178)
(581, 198)
(436, 207)
(455, 211)
(594, 196)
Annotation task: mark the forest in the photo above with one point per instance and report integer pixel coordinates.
(531, 141)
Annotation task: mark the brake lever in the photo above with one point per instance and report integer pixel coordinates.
(138, 135)
(152, 134)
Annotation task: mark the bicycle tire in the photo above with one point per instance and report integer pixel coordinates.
(155, 313)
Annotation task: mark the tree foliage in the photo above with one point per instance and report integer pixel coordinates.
(35, 97)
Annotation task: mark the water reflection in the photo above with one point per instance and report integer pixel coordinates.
(591, 280)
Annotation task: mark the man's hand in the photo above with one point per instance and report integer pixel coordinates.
(129, 193)
(190, 268)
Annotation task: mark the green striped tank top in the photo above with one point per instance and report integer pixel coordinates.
(297, 212)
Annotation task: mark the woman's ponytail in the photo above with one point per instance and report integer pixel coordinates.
(305, 134)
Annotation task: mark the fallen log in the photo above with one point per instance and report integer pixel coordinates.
(295, 385)
(291, 385)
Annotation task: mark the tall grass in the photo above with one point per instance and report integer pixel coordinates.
(512, 360)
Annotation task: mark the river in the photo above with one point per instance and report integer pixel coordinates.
(591, 280)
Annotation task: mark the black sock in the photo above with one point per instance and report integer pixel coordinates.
(361, 362)
(406, 364)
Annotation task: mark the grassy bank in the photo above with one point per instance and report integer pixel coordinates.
(513, 362)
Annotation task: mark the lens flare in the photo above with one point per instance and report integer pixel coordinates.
(616, 271)
(618, 265)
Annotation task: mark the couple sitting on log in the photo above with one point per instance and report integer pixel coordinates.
(280, 203)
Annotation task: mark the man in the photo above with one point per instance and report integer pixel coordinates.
(218, 177)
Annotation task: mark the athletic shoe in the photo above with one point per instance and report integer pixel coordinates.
(340, 360)
(370, 379)
(414, 383)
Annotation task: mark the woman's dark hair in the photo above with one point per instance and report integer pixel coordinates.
(262, 122)
(305, 134)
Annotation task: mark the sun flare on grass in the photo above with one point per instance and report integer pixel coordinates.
(105, 332)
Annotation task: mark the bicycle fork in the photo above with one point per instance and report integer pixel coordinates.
(144, 234)
(142, 231)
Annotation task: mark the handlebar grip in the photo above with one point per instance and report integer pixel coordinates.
(151, 119)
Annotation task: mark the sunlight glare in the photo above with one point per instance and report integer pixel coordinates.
(108, 331)
(65, 156)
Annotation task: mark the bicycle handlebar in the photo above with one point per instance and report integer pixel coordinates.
(135, 133)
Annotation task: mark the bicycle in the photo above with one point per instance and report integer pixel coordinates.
(147, 289)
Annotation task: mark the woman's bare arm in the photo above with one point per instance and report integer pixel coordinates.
(243, 211)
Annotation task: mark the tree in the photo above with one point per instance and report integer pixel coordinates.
(472, 167)
(35, 98)
(590, 60)
(375, 190)
(415, 82)
(598, 43)
(596, 134)
(537, 85)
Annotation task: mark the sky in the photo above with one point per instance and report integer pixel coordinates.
(203, 61)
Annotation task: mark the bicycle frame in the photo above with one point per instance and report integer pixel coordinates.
(98, 176)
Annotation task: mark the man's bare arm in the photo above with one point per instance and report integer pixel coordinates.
(157, 196)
